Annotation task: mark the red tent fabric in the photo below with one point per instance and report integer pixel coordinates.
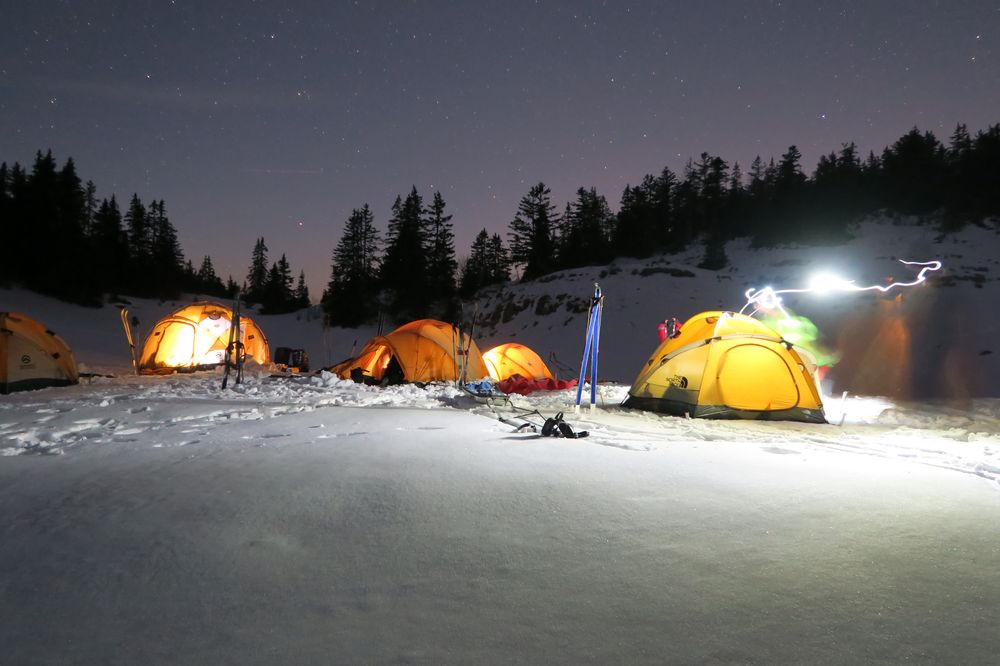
(523, 386)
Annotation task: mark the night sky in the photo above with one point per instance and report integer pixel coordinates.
(275, 119)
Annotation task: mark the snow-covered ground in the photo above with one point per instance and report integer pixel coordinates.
(311, 520)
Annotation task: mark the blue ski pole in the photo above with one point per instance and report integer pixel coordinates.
(583, 363)
(590, 349)
(595, 348)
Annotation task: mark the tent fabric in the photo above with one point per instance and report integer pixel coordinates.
(425, 350)
(195, 336)
(32, 357)
(524, 386)
(728, 365)
(512, 358)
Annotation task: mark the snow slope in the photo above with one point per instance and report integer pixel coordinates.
(937, 340)
(311, 520)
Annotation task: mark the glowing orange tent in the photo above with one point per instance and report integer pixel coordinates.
(32, 356)
(512, 358)
(728, 365)
(424, 350)
(195, 337)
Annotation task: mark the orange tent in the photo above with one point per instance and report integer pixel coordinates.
(32, 357)
(728, 365)
(512, 358)
(423, 351)
(195, 337)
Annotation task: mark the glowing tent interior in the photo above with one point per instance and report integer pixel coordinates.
(195, 337)
(512, 358)
(32, 356)
(421, 351)
(728, 365)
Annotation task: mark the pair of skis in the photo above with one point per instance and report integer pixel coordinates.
(590, 349)
(234, 349)
(123, 309)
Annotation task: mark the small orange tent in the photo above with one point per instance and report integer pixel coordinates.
(512, 358)
(32, 357)
(728, 365)
(195, 337)
(424, 350)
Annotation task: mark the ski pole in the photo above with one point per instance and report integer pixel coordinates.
(583, 363)
(595, 350)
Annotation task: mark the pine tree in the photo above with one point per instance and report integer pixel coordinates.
(166, 258)
(282, 295)
(586, 231)
(66, 239)
(278, 296)
(109, 247)
(208, 281)
(532, 241)
(301, 295)
(37, 222)
(789, 174)
(256, 283)
(660, 227)
(139, 250)
(404, 267)
(913, 169)
(757, 185)
(351, 296)
(441, 263)
(498, 261)
(90, 203)
(476, 271)
(961, 143)
(7, 227)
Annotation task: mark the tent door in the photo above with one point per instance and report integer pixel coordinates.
(754, 377)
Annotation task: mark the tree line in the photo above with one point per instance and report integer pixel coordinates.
(772, 203)
(62, 241)
(710, 203)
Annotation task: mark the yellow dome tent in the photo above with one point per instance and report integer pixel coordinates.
(513, 358)
(195, 337)
(728, 365)
(32, 357)
(424, 350)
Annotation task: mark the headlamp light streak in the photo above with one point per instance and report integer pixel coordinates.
(770, 299)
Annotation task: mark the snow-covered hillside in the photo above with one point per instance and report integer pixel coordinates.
(938, 340)
(313, 520)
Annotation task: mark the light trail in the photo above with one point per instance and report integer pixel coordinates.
(770, 299)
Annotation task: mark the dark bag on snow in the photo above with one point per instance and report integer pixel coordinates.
(556, 427)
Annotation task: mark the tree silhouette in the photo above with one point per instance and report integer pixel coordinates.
(441, 263)
(404, 267)
(351, 296)
(257, 276)
(531, 233)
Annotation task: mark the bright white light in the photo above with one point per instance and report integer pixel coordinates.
(770, 299)
(823, 283)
